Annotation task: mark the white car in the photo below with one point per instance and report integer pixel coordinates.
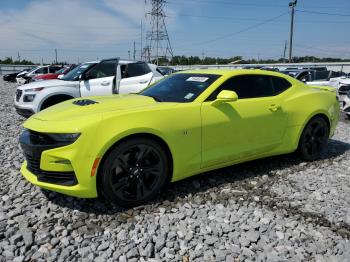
(346, 104)
(39, 70)
(105, 77)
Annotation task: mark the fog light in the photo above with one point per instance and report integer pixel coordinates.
(28, 98)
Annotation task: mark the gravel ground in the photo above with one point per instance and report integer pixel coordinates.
(275, 209)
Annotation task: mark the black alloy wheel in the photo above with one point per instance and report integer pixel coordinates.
(314, 139)
(134, 172)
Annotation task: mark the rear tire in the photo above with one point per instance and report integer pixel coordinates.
(314, 139)
(134, 172)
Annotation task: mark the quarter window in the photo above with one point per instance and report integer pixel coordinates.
(280, 84)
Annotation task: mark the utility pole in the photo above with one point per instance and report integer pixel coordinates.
(56, 55)
(134, 51)
(284, 51)
(129, 54)
(141, 49)
(18, 57)
(292, 5)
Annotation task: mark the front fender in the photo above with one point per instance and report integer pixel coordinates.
(53, 91)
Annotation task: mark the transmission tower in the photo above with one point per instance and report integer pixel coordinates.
(157, 38)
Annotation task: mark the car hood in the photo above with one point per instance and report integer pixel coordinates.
(50, 83)
(87, 107)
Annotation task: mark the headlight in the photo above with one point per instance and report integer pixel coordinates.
(37, 89)
(39, 138)
(63, 137)
(28, 98)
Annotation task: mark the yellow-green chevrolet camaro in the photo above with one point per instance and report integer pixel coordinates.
(127, 147)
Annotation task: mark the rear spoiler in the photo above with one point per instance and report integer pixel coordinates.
(324, 88)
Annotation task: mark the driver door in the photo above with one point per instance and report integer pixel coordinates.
(252, 125)
(99, 80)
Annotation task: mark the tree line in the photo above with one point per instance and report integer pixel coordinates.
(196, 60)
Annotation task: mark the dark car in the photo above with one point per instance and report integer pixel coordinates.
(12, 77)
(165, 71)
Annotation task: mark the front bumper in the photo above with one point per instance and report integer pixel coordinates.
(24, 112)
(57, 167)
(346, 105)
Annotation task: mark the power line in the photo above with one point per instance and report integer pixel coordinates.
(321, 13)
(245, 4)
(242, 30)
(224, 3)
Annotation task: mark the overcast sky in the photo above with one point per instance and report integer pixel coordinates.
(83, 30)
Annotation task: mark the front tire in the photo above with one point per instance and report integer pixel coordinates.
(314, 139)
(134, 172)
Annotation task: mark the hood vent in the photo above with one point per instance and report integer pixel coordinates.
(84, 102)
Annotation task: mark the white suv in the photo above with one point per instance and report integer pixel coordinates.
(105, 77)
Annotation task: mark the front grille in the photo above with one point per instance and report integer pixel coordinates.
(18, 94)
(33, 144)
(59, 178)
(343, 90)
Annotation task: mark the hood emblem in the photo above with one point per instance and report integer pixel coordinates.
(84, 102)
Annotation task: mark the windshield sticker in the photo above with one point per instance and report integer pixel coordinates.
(197, 79)
(189, 96)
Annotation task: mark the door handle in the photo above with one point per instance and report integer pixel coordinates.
(143, 81)
(274, 108)
(104, 83)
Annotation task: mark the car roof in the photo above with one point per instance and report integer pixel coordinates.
(120, 61)
(232, 72)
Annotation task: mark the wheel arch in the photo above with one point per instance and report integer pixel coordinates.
(321, 114)
(52, 97)
(147, 135)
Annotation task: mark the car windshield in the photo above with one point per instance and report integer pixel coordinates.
(34, 69)
(182, 88)
(76, 72)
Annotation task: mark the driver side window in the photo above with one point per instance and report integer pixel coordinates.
(104, 69)
(246, 86)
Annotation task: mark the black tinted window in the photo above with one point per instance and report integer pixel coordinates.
(280, 84)
(104, 69)
(180, 87)
(54, 69)
(135, 69)
(247, 86)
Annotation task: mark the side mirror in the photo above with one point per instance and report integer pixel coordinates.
(225, 96)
